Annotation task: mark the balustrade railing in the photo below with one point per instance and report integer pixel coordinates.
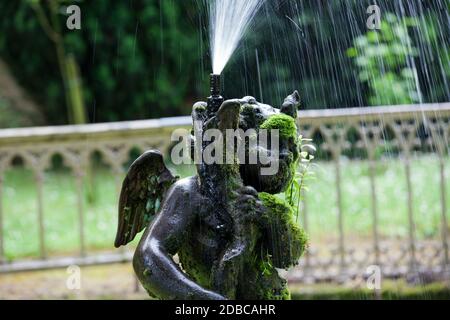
(363, 135)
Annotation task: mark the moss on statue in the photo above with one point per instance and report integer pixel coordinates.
(285, 240)
(284, 123)
(263, 279)
(198, 272)
(282, 241)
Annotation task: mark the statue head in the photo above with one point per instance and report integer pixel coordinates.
(249, 114)
(255, 115)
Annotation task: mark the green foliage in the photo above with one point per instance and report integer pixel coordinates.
(145, 59)
(385, 62)
(295, 193)
(138, 59)
(437, 58)
(266, 267)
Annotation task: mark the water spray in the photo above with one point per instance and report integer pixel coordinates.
(215, 100)
(229, 20)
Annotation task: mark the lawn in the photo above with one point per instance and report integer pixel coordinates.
(61, 220)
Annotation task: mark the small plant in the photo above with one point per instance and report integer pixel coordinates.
(266, 266)
(295, 193)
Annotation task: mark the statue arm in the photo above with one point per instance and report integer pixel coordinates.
(153, 261)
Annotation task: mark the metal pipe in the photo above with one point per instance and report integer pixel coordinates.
(215, 100)
(215, 85)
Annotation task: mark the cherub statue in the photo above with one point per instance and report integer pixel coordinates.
(223, 233)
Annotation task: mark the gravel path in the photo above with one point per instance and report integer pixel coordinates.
(99, 282)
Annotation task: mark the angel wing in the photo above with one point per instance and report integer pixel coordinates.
(143, 190)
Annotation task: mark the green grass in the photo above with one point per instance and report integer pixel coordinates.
(391, 290)
(61, 215)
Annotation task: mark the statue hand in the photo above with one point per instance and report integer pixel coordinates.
(249, 206)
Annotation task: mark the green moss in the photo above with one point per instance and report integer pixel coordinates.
(285, 240)
(147, 272)
(262, 282)
(284, 123)
(284, 294)
(199, 108)
(194, 269)
(274, 294)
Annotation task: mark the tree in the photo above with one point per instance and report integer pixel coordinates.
(67, 64)
(385, 60)
(138, 59)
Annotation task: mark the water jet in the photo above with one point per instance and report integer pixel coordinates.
(228, 22)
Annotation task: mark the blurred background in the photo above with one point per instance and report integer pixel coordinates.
(77, 106)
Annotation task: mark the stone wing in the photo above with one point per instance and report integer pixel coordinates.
(143, 190)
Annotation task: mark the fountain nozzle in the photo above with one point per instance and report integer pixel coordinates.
(215, 100)
(215, 84)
